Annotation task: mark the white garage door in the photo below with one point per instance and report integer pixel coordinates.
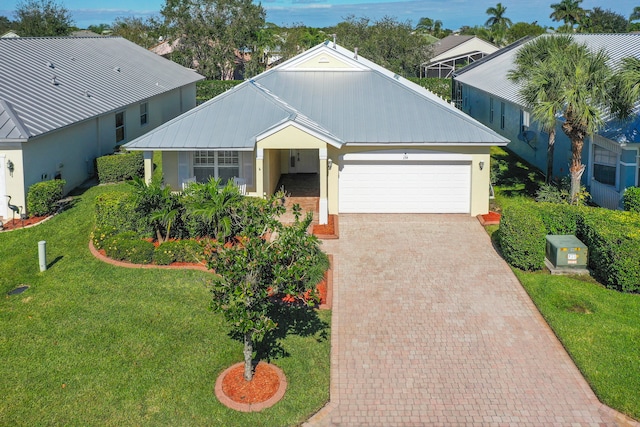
(405, 187)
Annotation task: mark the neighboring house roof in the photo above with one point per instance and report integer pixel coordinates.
(9, 35)
(84, 33)
(51, 83)
(455, 45)
(365, 104)
(490, 73)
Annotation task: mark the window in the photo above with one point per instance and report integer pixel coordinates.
(490, 110)
(604, 165)
(524, 120)
(217, 164)
(144, 115)
(120, 126)
(502, 115)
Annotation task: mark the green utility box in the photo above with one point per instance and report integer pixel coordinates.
(566, 251)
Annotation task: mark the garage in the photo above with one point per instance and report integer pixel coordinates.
(405, 183)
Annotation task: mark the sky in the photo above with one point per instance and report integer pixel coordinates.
(325, 13)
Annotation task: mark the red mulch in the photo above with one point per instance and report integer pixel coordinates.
(325, 229)
(12, 224)
(490, 219)
(264, 385)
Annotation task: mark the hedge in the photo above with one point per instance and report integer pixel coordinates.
(120, 167)
(43, 197)
(521, 236)
(613, 239)
(128, 246)
(207, 89)
(178, 251)
(116, 210)
(631, 199)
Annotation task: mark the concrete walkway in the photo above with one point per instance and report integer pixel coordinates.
(431, 327)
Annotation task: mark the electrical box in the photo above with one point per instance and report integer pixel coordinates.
(566, 251)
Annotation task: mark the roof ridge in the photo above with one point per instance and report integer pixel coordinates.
(6, 106)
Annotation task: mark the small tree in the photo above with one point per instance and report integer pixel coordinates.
(254, 269)
(42, 18)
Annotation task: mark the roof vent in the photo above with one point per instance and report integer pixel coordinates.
(397, 77)
(54, 81)
(116, 69)
(87, 94)
(50, 64)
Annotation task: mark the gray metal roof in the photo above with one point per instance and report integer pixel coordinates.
(93, 76)
(449, 43)
(368, 106)
(490, 74)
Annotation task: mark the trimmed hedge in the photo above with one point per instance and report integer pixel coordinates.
(117, 210)
(128, 246)
(521, 236)
(613, 239)
(178, 251)
(631, 199)
(120, 167)
(101, 234)
(43, 197)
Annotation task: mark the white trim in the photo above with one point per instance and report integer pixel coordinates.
(628, 164)
(323, 211)
(260, 154)
(428, 144)
(322, 153)
(333, 141)
(409, 156)
(324, 50)
(3, 186)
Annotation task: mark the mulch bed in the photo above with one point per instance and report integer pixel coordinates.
(263, 386)
(491, 218)
(14, 224)
(326, 231)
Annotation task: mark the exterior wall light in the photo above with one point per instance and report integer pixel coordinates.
(329, 163)
(10, 167)
(481, 164)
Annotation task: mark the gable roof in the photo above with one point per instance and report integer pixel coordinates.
(329, 92)
(52, 82)
(442, 48)
(490, 73)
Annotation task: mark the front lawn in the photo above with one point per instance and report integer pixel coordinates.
(93, 344)
(599, 327)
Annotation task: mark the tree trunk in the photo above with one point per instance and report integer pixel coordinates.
(550, 149)
(576, 169)
(248, 353)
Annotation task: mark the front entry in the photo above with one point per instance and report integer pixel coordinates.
(303, 161)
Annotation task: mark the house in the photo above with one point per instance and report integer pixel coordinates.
(375, 141)
(453, 52)
(483, 91)
(65, 101)
(9, 34)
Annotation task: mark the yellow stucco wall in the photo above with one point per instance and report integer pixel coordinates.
(323, 61)
(170, 169)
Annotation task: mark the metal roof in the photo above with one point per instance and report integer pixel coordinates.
(364, 105)
(50, 83)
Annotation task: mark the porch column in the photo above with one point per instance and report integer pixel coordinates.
(260, 172)
(323, 208)
(148, 166)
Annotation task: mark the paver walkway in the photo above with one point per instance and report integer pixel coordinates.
(431, 327)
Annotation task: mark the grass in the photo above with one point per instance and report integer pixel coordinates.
(600, 328)
(93, 344)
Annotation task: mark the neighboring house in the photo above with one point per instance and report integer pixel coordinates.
(65, 101)
(453, 52)
(9, 35)
(483, 91)
(376, 141)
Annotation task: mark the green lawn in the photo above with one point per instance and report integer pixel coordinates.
(94, 344)
(600, 328)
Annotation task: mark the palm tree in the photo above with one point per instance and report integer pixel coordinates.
(497, 22)
(541, 86)
(629, 75)
(587, 90)
(635, 15)
(568, 11)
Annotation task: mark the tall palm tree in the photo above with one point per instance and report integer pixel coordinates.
(586, 88)
(540, 91)
(568, 11)
(497, 22)
(629, 75)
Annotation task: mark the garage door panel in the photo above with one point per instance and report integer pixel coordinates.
(426, 187)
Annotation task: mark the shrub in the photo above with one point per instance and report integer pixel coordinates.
(120, 167)
(42, 197)
(558, 218)
(100, 235)
(128, 246)
(613, 239)
(521, 236)
(116, 209)
(207, 89)
(631, 199)
(178, 251)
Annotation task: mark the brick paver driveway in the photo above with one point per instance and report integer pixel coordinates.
(430, 327)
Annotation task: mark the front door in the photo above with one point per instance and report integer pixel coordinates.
(304, 161)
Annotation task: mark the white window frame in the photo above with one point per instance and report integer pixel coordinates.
(122, 126)
(604, 157)
(216, 160)
(144, 114)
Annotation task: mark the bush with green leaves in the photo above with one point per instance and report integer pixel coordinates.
(558, 218)
(159, 209)
(179, 251)
(439, 86)
(120, 167)
(43, 197)
(102, 234)
(631, 199)
(116, 209)
(521, 236)
(613, 239)
(128, 246)
(207, 89)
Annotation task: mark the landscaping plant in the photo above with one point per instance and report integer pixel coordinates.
(265, 260)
